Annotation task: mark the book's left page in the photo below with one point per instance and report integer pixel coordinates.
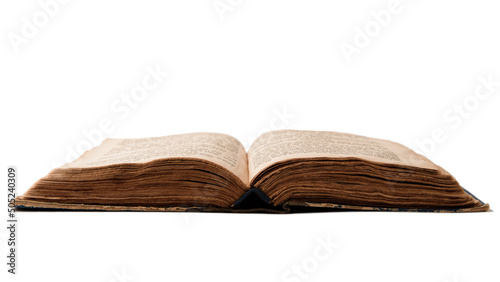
(186, 170)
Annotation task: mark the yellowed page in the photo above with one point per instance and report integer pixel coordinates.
(220, 149)
(280, 145)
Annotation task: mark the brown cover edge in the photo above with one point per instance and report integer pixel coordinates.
(286, 208)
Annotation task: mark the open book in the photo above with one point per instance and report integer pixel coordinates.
(285, 170)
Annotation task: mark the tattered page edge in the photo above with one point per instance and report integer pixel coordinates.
(287, 207)
(52, 206)
(484, 207)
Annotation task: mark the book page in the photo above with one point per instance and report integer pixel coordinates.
(276, 146)
(220, 149)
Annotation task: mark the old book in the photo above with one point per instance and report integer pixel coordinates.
(283, 171)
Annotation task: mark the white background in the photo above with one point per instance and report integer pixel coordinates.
(258, 66)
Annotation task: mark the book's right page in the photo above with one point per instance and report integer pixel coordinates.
(281, 145)
(332, 169)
